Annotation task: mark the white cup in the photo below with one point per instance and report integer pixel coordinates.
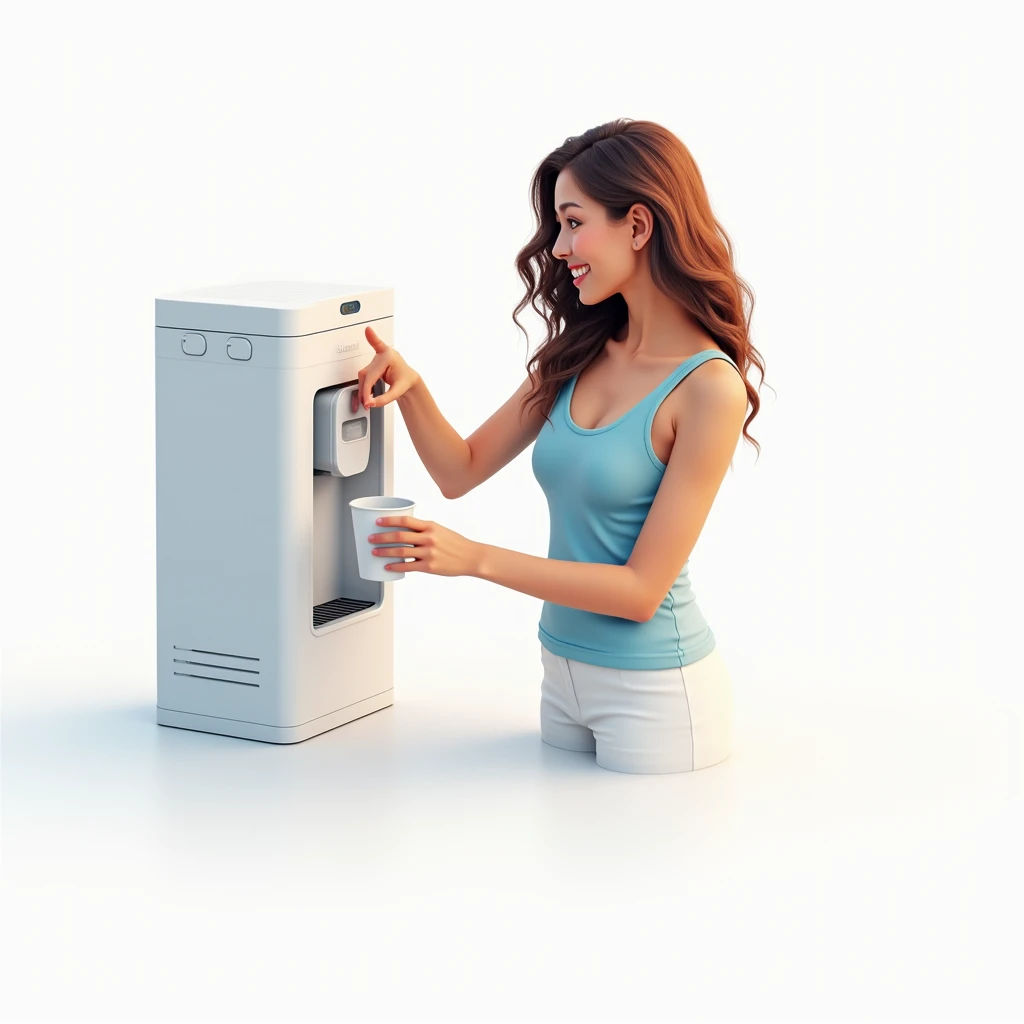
(365, 513)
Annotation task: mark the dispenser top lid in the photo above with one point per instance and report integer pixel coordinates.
(274, 308)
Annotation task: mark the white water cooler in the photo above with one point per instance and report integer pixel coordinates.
(265, 629)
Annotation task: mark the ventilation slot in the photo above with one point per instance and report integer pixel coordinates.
(337, 609)
(199, 664)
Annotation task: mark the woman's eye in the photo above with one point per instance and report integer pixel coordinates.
(570, 219)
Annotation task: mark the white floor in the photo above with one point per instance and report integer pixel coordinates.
(854, 858)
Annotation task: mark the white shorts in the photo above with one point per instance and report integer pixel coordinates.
(643, 721)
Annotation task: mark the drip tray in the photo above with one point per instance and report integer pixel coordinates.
(337, 609)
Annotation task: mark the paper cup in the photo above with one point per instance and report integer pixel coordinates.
(365, 513)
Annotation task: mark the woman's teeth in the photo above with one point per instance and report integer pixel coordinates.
(580, 271)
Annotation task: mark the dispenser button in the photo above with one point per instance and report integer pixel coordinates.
(193, 344)
(352, 430)
(239, 348)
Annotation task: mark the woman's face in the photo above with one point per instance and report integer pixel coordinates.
(586, 237)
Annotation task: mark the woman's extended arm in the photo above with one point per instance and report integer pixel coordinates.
(590, 586)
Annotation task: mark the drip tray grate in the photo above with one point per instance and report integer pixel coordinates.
(336, 609)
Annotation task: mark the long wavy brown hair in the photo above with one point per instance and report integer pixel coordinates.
(691, 257)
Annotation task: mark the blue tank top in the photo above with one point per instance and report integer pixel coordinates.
(600, 485)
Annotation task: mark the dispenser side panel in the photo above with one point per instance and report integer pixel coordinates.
(218, 473)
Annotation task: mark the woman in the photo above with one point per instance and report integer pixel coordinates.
(636, 400)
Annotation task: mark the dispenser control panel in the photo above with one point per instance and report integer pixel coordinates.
(193, 344)
(341, 434)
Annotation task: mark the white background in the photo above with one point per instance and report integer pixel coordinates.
(857, 855)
